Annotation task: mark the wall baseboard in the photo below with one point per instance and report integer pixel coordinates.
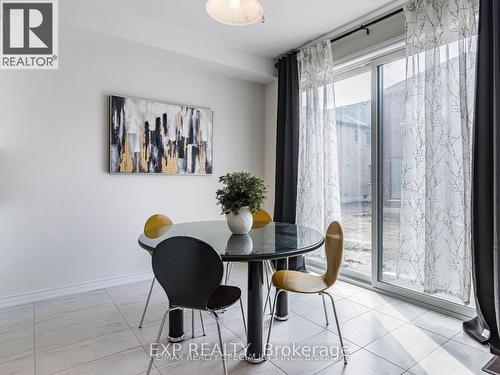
(86, 286)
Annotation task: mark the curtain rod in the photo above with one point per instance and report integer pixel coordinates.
(363, 27)
(366, 25)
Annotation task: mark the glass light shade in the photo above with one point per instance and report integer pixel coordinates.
(235, 12)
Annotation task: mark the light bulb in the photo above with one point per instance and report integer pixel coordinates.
(235, 4)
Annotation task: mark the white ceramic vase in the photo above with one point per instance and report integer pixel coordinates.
(240, 223)
(239, 244)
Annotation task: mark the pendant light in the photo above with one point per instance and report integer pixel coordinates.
(235, 12)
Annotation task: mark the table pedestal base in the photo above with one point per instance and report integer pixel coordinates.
(281, 318)
(254, 352)
(254, 360)
(176, 326)
(175, 339)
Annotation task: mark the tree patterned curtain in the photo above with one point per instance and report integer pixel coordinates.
(318, 189)
(435, 228)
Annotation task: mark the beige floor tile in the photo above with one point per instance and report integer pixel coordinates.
(406, 345)
(369, 327)
(85, 351)
(89, 333)
(402, 310)
(55, 338)
(452, 358)
(16, 322)
(295, 329)
(66, 319)
(438, 323)
(346, 310)
(129, 362)
(132, 313)
(304, 364)
(16, 331)
(465, 339)
(301, 304)
(371, 299)
(70, 304)
(344, 290)
(363, 363)
(23, 366)
(16, 348)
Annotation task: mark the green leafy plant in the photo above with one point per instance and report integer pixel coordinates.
(240, 189)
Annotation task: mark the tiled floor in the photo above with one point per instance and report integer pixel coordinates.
(97, 333)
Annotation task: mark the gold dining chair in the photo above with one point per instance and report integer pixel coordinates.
(154, 227)
(306, 283)
(260, 219)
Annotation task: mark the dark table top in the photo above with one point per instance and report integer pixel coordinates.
(269, 241)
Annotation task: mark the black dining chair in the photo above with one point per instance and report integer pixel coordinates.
(156, 226)
(190, 271)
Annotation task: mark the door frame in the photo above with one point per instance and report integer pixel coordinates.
(360, 63)
(377, 201)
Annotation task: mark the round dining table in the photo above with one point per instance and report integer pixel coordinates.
(265, 241)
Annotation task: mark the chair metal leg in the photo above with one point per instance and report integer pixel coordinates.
(324, 307)
(269, 285)
(192, 324)
(278, 291)
(243, 316)
(202, 325)
(147, 303)
(223, 354)
(268, 296)
(229, 267)
(271, 272)
(158, 337)
(267, 280)
(338, 326)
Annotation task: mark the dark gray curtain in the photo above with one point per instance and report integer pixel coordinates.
(287, 140)
(287, 146)
(486, 181)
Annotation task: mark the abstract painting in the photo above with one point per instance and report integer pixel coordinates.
(152, 137)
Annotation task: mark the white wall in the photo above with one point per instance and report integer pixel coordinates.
(63, 218)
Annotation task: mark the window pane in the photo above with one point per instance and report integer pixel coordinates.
(353, 121)
(392, 108)
(353, 115)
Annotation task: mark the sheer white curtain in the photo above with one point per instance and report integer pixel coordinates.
(318, 190)
(435, 228)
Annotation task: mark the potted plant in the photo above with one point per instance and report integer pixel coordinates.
(240, 197)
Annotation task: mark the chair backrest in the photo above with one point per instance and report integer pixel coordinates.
(334, 249)
(155, 225)
(189, 270)
(260, 219)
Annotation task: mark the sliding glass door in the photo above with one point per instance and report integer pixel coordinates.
(353, 115)
(391, 106)
(407, 258)
(370, 107)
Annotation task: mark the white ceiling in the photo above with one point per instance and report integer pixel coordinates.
(184, 25)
